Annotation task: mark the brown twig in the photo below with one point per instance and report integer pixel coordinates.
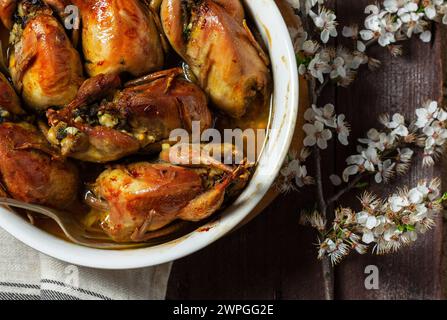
(315, 93)
(322, 206)
(327, 269)
(351, 185)
(328, 279)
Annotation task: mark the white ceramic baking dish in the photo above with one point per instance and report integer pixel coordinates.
(285, 108)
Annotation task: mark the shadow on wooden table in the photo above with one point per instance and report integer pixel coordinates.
(270, 258)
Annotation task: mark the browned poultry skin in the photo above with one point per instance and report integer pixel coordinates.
(234, 8)
(8, 8)
(105, 145)
(58, 6)
(8, 97)
(221, 51)
(161, 107)
(151, 111)
(29, 171)
(145, 191)
(45, 68)
(145, 197)
(120, 36)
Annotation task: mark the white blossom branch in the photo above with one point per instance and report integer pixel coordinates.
(382, 154)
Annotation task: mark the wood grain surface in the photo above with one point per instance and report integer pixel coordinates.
(274, 258)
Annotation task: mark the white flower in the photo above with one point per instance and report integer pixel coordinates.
(302, 70)
(405, 155)
(391, 233)
(360, 248)
(403, 159)
(326, 115)
(295, 169)
(372, 9)
(327, 246)
(338, 68)
(366, 220)
(408, 13)
(374, 22)
(365, 161)
(361, 47)
(319, 66)
(315, 219)
(398, 124)
(386, 39)
(352, 61)
(428, 160)
(310, 47)
(367, 34)
(427, 114)
(420, 214)
(342, 130)
(391, 6)
(342, 250)
(379, 140)
(416, 196)
(325, 20)
(381, 25)
(417, 27)
(411, 213)
(413, 236)
(397, 203)
(441, 115)
(436, 135)
(316, 134)
(386, 141)
(361, 217)
(373, 136)
(434, 189)
(298, 36)
(310, 114)
(423, 189)
(385, 171)
(430, 12)
(368, 237)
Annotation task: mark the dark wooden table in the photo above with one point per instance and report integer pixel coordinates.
(275, 258)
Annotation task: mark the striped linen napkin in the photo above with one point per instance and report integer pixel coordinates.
(26, 274)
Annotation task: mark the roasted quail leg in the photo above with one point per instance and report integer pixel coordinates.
(214, 39)
(30, 170)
